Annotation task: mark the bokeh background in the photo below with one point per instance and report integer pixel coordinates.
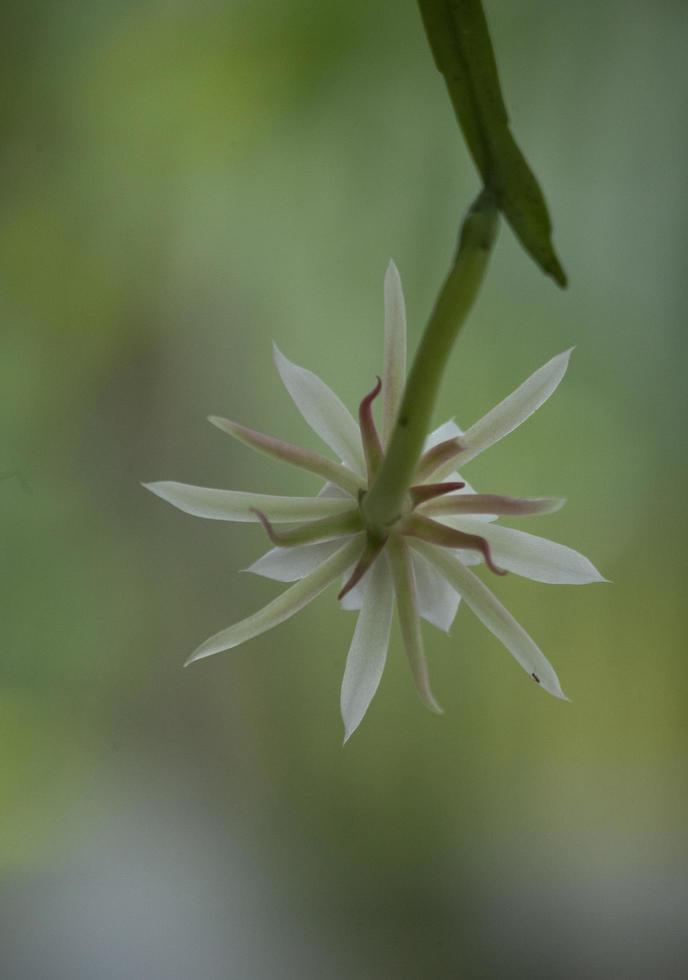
(182, 183)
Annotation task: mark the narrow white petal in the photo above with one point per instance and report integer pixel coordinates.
(448, 430)
(531, 556)
(407, 605)
(281, 608)
(438, 602)
(394, 363)
(353, 600)
(233, 505)
(332, 490)
(323, 411)
(515, 409)
(292, 564)
(495, 617)
(482, 503)
(368, 651)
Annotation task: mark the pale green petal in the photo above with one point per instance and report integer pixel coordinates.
(409, 620)
(305, 459)
(479, 504)
(494, 616)
(233, 505)
(531, 556)
(448, 430)
(394, 362)
(323, 411)
(331, 490)
(515, 409)
(281, 608)
(368, 651)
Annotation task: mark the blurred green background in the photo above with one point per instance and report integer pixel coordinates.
(182, 183)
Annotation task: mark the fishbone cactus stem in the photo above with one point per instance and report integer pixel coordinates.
(421, 557)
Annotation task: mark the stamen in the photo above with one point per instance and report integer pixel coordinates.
(324, 529)
(437, 457)
(490, 503)
(448, 537)
(372, 447)
(428, 491)
(372, 549)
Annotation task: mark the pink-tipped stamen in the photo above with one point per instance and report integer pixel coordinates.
(483, 545)
(276, 538)
(429, 491)
(372, 447)
(372, 550)
(449, 537)
(310, 532)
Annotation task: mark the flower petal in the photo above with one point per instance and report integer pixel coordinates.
(292, 564)
(475, 504)
(233, 505)
(323, 411)
(330, 490)
(394, 364)
(448, 430)
(495, 617)
(281, 608)
(515, 409)
(353, 599)
(531, 556)
(305, 459)
(368, 651)
(438, 602)
(409, 620)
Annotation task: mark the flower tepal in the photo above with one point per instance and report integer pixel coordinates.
(421, 561)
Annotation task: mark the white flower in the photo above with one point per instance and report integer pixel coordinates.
(422, 562)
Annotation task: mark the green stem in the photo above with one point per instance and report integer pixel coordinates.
(385, 500)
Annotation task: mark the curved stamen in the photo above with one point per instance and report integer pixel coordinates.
(491, 503)
(448, 537)
(372, 549)
(372, 447)
(437, 458)
(321, 530)
(429, 491)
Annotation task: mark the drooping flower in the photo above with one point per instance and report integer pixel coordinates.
(421, 561)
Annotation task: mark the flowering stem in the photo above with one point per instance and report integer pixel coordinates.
(386, 499)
